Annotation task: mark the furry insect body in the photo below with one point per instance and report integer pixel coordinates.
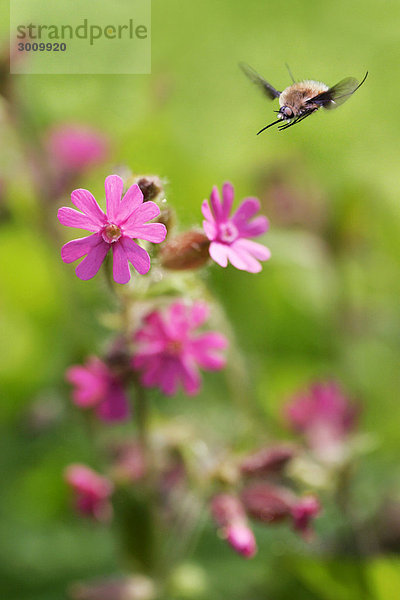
(301, 99)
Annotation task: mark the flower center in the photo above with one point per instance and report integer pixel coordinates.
(227, 232)
(174, 347)
(111, 233)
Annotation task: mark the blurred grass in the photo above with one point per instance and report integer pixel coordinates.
(320, 307)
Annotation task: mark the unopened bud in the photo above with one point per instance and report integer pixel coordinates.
(268, 460)
(188, 250)
(303, 512)
(166, 216)
(150, 187)
(229, 515)
(241, 538)
(226, 509)
(267, 503)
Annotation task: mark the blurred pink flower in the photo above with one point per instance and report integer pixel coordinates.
(125, 219)
(269, 503)
(272, 459)
(325, 416)
(230, 517)
(229, 236)
(75, 148)
(303, 512)
(92, 492)
(169, 352)
(96, 387)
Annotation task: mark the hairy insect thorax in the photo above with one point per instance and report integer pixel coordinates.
(296, 95)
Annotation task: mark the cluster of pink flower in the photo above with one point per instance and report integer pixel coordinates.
(325, 418)
(168, 352)
(128, 219)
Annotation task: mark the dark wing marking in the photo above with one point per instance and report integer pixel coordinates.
(266, 87)
(338, 94)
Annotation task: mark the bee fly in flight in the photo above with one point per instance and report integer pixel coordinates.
(301, 99)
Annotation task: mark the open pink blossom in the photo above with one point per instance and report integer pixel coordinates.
(92, 491)
(96, 387)
(125, 219)
(325, 416)
(229, 235)
(75, 147)
(169, 351)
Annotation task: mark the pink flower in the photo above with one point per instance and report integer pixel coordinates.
(325, 416)
(92, 492)
(169, 352)
(229, 236)
(96, 387)
(230, 517)
(76, 147)
(303, 511)
(269, 503)
(241, 538)
(125, 219)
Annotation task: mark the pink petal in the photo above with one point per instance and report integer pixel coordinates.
(200, 312)
(169, 377)
(227, 199)
(204, 350)
(115, 406)
(219, 253)
(145, 212)
(242, 260)
(248, 208)
(85, 201)
(151, 232)
(89, 386)
(253, 228)
(121, 271)
(72, 218)
(113, 186)
(190, 377)
(207, 214)
(79, 247)
(253, 248)
(129, 203)
(92, 263)
(210, 230)
(136, 255)
(177, 323)
(216, 203)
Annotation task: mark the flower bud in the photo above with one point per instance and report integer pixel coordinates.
(92, 492)
(226, 509)
(150, 187)
(268, 460)
(188, 250)
(267, 503)
(229, 515)
(303, 511)
(241, 538)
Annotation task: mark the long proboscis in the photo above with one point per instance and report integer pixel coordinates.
(270, 125)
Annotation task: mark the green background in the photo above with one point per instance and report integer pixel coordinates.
(327, 304)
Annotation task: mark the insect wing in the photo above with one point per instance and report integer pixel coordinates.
(266, 87)
(338, 94)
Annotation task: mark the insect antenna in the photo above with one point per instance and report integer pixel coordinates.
(270, 125)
